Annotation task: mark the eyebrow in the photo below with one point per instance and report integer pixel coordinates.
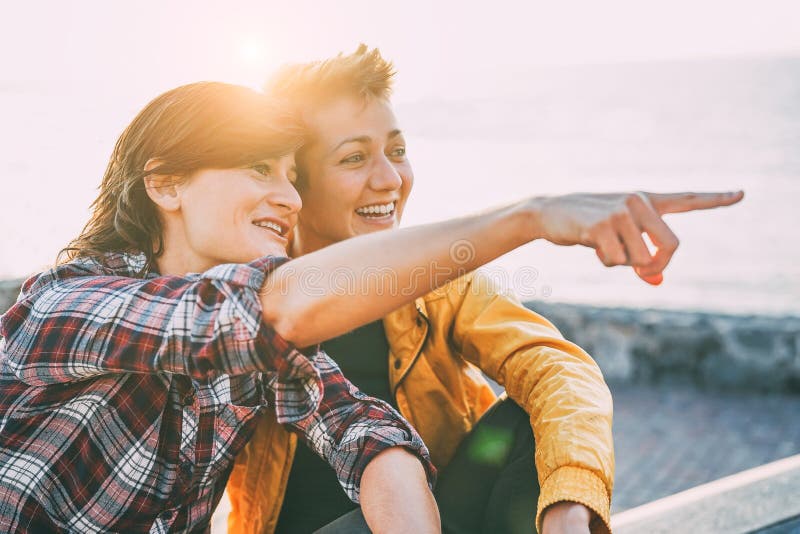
(365, 139)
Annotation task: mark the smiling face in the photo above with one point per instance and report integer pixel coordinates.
(356, 176)
(220, 216)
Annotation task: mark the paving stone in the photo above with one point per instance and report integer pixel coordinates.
(669, 439)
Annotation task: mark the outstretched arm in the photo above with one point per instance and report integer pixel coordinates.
(331, 291)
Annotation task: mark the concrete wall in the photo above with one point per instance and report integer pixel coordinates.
(9, 289)
(709, 351)
(713, 351)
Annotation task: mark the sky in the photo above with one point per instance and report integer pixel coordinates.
(124, 47)
(75, 73)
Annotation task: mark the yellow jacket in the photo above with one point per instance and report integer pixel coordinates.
(438, 347)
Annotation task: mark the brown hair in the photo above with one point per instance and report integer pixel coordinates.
(364, 73)
(197, 126)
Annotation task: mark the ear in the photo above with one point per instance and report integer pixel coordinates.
(162, 189)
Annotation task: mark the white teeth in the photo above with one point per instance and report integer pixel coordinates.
(376, 209)
(271, 225)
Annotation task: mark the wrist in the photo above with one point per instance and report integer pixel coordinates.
(530, 213)
(565, 516)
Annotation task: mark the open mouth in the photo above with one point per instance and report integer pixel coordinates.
(272, 225)
(377, 211)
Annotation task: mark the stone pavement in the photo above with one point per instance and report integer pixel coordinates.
(671, 438)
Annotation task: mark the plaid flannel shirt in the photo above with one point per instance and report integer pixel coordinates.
(124, 399)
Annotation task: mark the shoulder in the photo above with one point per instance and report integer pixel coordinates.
(111, 264)
(454, 289)
(479, 284)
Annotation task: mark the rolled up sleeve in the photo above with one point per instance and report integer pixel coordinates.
(350, 428)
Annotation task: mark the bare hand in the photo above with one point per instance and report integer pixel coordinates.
(566, 518)
(613, 225)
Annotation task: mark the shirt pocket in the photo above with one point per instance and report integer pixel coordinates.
(24, 402)
(226, 407)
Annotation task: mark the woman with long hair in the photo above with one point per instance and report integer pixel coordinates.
(132, 372)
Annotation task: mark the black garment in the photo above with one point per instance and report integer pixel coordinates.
(363, 356)
(313, 494)
(490, 486)
(352, 522)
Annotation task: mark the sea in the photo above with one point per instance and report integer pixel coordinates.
(705, 125)
(667, 126)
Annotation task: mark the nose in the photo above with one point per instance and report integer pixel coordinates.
(385, 176)
(286, 197)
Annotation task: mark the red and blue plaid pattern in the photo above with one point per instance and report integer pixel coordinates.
(124, 399)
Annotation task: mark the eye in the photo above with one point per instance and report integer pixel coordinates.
(355, 158)
(262, 169)
(398, 152)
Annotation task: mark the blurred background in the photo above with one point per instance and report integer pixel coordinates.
(498, 100)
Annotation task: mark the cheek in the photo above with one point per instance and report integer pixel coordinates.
(203, 229)
(212, 219)
(314, 199)
(334, 193)
(325, 212)
(408, 183)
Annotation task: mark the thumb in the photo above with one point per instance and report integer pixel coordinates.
(652, 279)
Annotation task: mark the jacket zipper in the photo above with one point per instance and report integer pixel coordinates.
(416, 356)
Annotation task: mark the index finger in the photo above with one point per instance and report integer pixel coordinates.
(681, 202)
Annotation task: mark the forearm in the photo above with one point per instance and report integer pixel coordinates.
(326, 293)
(571, 416)
(556, 382)
(395, 496)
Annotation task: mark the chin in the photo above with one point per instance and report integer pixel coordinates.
(370, 228)
(268, 248)
(274, 251)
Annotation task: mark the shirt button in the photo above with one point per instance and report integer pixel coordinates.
(397, 363)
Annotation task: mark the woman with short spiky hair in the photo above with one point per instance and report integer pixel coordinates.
(429, 357)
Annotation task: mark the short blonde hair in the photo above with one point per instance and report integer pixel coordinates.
(364, 73)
